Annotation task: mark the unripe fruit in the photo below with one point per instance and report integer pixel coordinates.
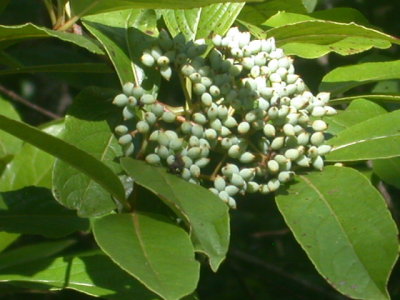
(264, 189)
(230, 122)
(252, 187)
(288, 129)
(319, 125)
(200, 118)
(194, 171)
(166, 72)
(125, 139)
(246, 157)
(317, 138)
(229, 169)
(273, 184)
(153, 159)
(324, 149)
(273, 166)
(121, 129)
(197, 130)
(277, 143)
(234, 151)
(120, 100)
(202, 162)
(147, 99)
(219, 183)
(285, 176)
(127, 88)
(247, 173)
(318, 163)
(231, 190)
(243, 128)
(148, 60)
(142, 126)
(168, 117)
(206, 99)
(237, 180)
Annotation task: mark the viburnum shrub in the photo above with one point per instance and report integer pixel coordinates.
(192, 142)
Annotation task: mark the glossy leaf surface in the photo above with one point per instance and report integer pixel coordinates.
(206, 215)
(331, 220)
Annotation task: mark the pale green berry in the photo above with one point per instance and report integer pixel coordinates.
(127, 113)
(195, 171)
(237, 180)
(303, 161)
(273, 166)
(216, 124)
(199, 88)
(166, 72)
(121, 100)
(252, 187)
(264, 189)
(319, 125)
(222, 112)
(261, 171)
(330, 111)
(206, 99)
(148, 60)
(225, 131)
(285, 176)
(168, 117)
(317, 138)
(262, 104)
(162, 151)
(137, 92)
(226, 143)
(199, 118)
(323, 97)
(125, 139)
(231, 190)
(187, 161)
(187, 70)
(273, 65)
(288, 129)
(156, 52)
(292, 154)
(234, 151)
(194, 152)
(163, 61)
(318, 111)
(224, 196)
(202, 162)
(142, 126)
(154, 135)
(147, 99)
(277, 143)
(303, 138)
(318, 163)
(150, 118)
(121, 129)
(186, 174)
(210, 134)
(312, 152)
(247, 173)
(128, 149)
(127, 88)
(194, 141)
(214, 191)
(163, 139)
(153, 159)
(269, 130)
(246, 157)
(230, 122)
(235, 70)
(273, 184)
(205, 151)
(281, 159)
(248, 63)
(243, 128)
(324, 149)
(229, 169)
(197, 130)
(273, 112)
(195, 77)
(186, 127)
(175, 144)
(170, 160)
(219, 183)
(250, 116)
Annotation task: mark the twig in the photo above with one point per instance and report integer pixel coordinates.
(279, 232)
(27, 103)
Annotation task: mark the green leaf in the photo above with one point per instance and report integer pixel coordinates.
(199, 23)
(30, 253)
(9, 145)
(257, 13)
(87, 7)
(62, 68)
(35, 211)
(92, 274)
(358, 111)
(344, 78)
(89, 126)
(376, 98)
(157, 253)
(124, 35)
(312, 39)
(30, 166)
(206, 215)
(345, 231)
(30, 31)
(6, 239)
(388, 170)
(375, 138)
(79, 159)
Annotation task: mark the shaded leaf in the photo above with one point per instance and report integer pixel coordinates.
(35, 211)
(30, 253)
(70, 68)
(31, 166)
(344, 78)
(86, 7)
(124, 34)
(183, 21)
(344, 230)
(358, 111)
(67, 152)
(388, 170)
(257, 13)
(375, 138)
(6, 239)
(206, 215)
(92, 274)
(157, 253)
(375, 98)
(30, 31)
(88, 127)
(315, 38)
(9, 145)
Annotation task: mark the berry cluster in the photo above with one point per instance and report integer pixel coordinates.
(247, 117)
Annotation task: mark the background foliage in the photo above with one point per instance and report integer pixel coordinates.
(61, 84)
